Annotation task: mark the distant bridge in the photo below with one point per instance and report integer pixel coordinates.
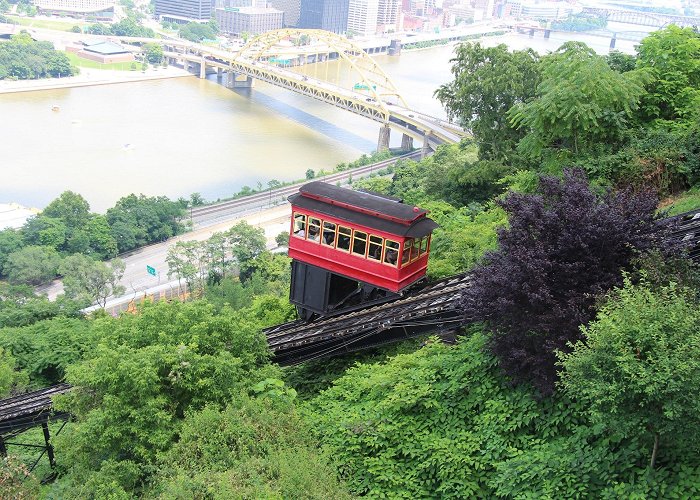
(642, 18)
(276, 56)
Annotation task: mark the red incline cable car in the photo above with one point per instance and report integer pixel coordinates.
(350, 247)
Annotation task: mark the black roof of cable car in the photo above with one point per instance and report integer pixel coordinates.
(384, 205)
(417, 229)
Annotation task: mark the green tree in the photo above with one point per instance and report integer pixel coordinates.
(139, 220)
(32, 265)
(154, 53)
(146, 373)
(672, 57)
(638, 367)
(45, 231)
(255, 447)
(282, 239)
(4, 6)
(10, 241)
(488, 81)
(102, 242)
(580, 102)
(196, 32)
(188, 261)
(621, 62)
(95, 280)
(45, 349)
(310, 174)
(20, 306)
(11, 380)
(196, 200)
(247, 242)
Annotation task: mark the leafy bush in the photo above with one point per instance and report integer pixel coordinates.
(564, 249)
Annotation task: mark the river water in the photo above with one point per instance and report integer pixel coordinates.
(179, 136)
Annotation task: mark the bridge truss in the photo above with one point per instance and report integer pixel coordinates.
(325, 46)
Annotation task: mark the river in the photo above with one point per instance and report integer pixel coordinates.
(175, 137)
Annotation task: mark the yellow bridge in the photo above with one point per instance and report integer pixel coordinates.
(309, 62)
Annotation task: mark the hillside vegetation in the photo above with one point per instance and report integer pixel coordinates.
(580, 379)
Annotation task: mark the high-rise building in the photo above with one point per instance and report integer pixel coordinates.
(330, 15)
(251, 20)
(388, 12)
(291, 9)
(183, 10)
(362, 17)
(95, 9)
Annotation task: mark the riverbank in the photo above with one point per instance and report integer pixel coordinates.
(90, 77)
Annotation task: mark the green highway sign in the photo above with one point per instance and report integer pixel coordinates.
(151, 270)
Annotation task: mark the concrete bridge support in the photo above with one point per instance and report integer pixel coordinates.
(384, 136)
(238, 81)
(406, 142)
(425, 150)
(202, 68)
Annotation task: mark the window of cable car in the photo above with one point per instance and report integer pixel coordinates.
(314, 230)
(344, 234)
(391, 253)
(359, 243)
(299, 226)
(406, 251)
(415, 249)
(328, 234)
(424, 245)
(375, 247)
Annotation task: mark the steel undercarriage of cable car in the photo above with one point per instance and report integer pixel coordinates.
(352, 248)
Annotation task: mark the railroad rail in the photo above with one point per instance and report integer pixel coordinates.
(433, 308)
(33, 409)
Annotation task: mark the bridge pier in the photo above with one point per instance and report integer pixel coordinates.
(202, 68)
(395, 48)
(238, 81)
(219, 73)
(613, 41)
(547, 33)
(425, 150)
(384, 136)
(406, 142)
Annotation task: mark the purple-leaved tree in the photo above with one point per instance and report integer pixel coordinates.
(565, 247)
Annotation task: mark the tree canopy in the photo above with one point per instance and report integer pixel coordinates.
(579, 103)
(24, 59)
(488, 81)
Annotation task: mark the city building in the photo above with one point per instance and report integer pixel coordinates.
(389, 16)
(291, 9)
(456, 14)
(251, 20)
(538, 10)
(102, 51)
(102, 10)
(183, 11)
(329, 15)
(222, 4)
(362, 17)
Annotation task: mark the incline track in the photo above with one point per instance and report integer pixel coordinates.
(28, 410)
(435, 308)
(431, 309)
